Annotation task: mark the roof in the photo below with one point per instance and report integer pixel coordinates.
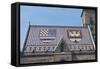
(56, 26)
(36, 42)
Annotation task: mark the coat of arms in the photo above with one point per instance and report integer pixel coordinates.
(75, 35)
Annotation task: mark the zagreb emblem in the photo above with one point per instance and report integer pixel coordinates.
(75, 35)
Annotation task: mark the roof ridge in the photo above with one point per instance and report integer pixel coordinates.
(57, 26)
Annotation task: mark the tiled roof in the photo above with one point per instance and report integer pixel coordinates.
(50, 44)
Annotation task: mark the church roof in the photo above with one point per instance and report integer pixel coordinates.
(47, 38)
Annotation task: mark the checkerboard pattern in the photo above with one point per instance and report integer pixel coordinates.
(44, 32)
(47, 33)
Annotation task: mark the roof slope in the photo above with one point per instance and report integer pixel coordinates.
(33, 38)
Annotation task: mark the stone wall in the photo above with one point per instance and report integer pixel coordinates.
(88, 55)
(58, 57)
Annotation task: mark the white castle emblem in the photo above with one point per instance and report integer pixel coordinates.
(75, 35)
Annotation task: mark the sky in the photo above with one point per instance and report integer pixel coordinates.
(36, 15)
